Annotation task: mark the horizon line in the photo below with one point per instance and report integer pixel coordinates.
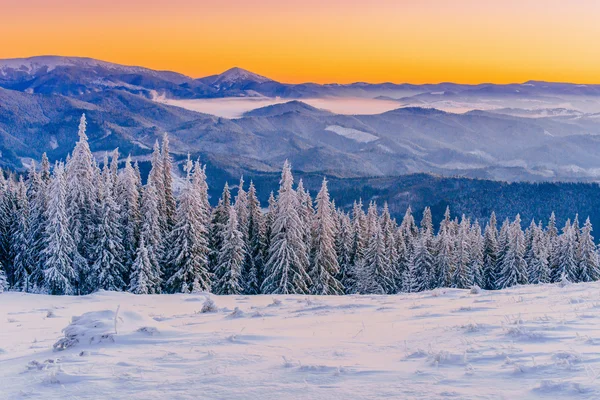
(306, 82)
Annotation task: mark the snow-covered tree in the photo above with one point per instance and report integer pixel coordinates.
(82, 202)
(187, 256)
(490, 253)
(167, 167)
(254, 262)
(59, 245)
(286, 268)
(324, 267)
(444, 253)
(150, 232)
(109, 271)
(231, 258)
(462, 276)
(513, 268)
(219, 219)
(128, 200)
(589, 266)
(142, 271)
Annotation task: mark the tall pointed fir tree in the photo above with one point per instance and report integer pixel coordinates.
(462, 276)
(231, 258)
(490, 253)
(254, 263)
(538, 269)
(476, 256)
(109, 271)
(219, 219)
(151, 234)
(8, 216)
(343, 244)
(513, 267)
(187, 255)
(128, 200)
(156, 179)
(589, 267)
(167, 168)
(565, 255)
(81, 203)
(358, 248)
(287, 264)
(388, 228)
(22, 263)
(142, 271)
(418, 273)
(38, 187)
(444, 254)
(269, 219)
(59, 245)
(324, 268)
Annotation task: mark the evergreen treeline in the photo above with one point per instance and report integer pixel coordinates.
(79, 228)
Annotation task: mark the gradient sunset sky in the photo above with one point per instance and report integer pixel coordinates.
(467, 41)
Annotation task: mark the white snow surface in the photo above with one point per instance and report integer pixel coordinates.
(353, 134)
(530, 342)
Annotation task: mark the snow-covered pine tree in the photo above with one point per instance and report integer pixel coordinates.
(219, 219)
(420, 266)
(513, 267)
(8, 216)
(343, 244)
(462, 276)
(187, 254)
(444, 253)
(476, 256)
(490, 253)
(3, 282)
(22, 264)
(359, 242)
(538, 269)
(324, 267)
(167, 168)
(109, 271)
(565, 256)
(156, 178)
(150, 232)
(269, 219)
(128, 200)
(59, 245)
(37, 194)
(388, 228)
(589, 266)
(426, 231)
(142, 271)
(231, 258)
(286, 268)
(503, 242)
(82, 201)
(254, 262)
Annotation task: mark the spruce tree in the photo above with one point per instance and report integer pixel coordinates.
(142, 271)
(490, 253)
(59, 245)
(109, 271)
(254, 262)
(287, 264)
(324, 268)
(444, 258)
(231, 258)
(462, 276)
(167, 169)
(128, 200)
(187, 256)
(589, 267)
(513, 267)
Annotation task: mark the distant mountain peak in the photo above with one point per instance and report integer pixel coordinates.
(236, 75)
(294, 106)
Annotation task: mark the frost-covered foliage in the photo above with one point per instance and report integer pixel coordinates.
(76, 228)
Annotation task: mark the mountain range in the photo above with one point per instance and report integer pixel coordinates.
(535, 131)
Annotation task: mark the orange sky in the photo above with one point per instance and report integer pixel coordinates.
(468, 41)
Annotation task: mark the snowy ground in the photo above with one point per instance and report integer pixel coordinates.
(524, 343)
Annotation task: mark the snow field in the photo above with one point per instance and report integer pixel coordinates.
(528, 342)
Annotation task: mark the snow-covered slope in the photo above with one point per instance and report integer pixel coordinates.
(533, 342)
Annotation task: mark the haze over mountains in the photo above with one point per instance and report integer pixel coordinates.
(532, 131)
